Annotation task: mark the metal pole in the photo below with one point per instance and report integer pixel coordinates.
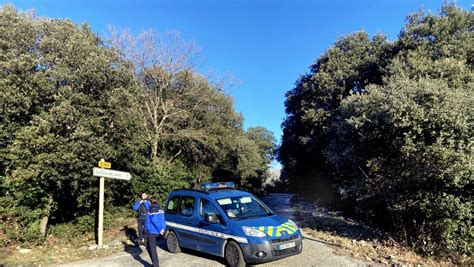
(101, 211)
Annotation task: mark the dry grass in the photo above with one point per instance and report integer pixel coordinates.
(356, 240)
(381, 252)
(57, 251)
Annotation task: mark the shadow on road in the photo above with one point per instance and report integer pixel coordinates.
(204, 255)
(162, 244)
(132, 248)
(135, 251)
(130, 233)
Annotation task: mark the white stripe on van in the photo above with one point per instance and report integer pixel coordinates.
(152, 213)
(207, 232)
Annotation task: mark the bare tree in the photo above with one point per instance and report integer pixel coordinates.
(171, 91)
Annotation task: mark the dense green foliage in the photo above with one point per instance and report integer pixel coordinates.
(68, 99)
(388, 127)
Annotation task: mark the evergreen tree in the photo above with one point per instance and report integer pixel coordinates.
(387, 126)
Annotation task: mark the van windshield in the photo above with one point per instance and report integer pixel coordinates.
(243, 207)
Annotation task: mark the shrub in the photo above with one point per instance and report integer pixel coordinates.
(403, 150)
(390, 124)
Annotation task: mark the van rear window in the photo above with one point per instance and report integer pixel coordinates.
(173, 205)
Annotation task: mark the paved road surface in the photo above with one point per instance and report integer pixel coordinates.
(314, 253)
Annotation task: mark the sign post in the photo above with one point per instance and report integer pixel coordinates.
(103, 173)
(101, 212)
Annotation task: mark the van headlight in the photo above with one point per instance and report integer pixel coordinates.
(250, 231)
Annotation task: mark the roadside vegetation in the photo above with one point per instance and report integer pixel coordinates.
(379, 129)
(383, 130)
(74, 241)
(69, 97)
(355, 239)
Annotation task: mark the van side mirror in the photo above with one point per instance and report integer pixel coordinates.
(211, 218)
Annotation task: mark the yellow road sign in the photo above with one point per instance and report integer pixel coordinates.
(105, 164)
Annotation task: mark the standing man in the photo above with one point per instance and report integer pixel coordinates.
(155, 227)
(141, 207)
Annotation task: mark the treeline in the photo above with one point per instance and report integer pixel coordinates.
(69, 98)
(384, 130)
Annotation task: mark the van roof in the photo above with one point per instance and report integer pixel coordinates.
(215, 194)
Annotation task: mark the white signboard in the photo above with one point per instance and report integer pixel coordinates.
(111, 174)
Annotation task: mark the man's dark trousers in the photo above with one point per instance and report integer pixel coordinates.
(151, 248)
(141, 228)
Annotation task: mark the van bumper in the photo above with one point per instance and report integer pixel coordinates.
(271, 251)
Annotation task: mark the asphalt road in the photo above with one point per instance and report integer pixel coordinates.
(314, 252)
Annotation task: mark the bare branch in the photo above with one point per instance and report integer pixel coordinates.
(172, 92)
(175, 155)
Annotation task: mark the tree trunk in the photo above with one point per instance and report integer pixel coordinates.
(154, 149)
(44, 225)
(45, 219)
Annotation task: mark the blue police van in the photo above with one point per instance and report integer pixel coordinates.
(230, 223)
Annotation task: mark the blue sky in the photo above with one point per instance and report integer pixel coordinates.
(266, 45)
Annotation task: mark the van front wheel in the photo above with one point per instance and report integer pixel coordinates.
(172, 242)
(233, 255)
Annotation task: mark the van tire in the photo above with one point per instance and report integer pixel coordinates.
(172, 243)
(233, 255)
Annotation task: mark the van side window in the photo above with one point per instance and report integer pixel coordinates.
(186, 206)
(207, 208)
(172, 206)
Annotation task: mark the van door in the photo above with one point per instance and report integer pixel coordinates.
(180, 217)
(185, 222)
(210, 235)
